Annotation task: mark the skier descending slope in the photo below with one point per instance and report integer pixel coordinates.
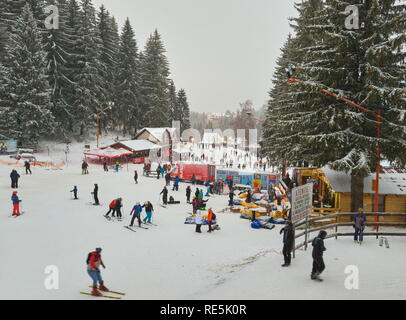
(94, 261)
(16, 204)
(317, 254)
(75, 193)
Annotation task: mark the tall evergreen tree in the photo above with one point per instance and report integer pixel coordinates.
(155, 83)
(127, 109)
(27, 106)
(173, 102)
(184, 112)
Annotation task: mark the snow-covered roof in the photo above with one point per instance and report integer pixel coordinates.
(138, 145)
(391, 181)
(108, 153)
(158, 133)
(212, 137)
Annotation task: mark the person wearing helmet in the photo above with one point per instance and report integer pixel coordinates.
(317, 254)
(16, 204)
(136, 213)
(94, 261)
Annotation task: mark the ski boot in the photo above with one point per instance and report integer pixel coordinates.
(96, 292)
(102, 287)
(286, 265)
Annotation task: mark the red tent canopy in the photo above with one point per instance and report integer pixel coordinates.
(108, 153)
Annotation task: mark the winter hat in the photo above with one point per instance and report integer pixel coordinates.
(98, 250)
(322, 234)
(14, 192)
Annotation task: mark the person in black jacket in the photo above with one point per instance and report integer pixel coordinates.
(231, 198)
(96, 195)
(317, 254)
(164, 193)
(27, 166)
(119, 204)
(14, 176)
(188, 193)
(288, 241)
(136, 176)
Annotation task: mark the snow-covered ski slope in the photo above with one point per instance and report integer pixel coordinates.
(168, 261)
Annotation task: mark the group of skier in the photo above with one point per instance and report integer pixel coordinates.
(359, 221)
(14, 177)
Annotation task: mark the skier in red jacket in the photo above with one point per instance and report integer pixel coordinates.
(94, 261)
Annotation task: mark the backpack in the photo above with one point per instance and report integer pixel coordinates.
(214, 216)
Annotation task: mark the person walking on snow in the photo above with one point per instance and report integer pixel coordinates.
(96, 195)
(136, 177)
(112, 208)
(359, 225)
(176, 184)
(16, 204)
(85, 167)
(164, 193)
(288, 239)
(27, 166)
(199, 221)
(188, 193)
(317, 254)
(75, 193)
(14, 176)
(148, 210)
(136, 213)
(94, 261)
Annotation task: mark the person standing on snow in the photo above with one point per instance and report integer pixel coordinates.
(158, 172)
(148, 210)
(85, 167)
(188, 193)
(96, 195)
(288, 240)
(164, 193)
(136, 213)
(112, 208)
(231, 198)
(211, 217)
(14, 176)
(176, 184)
(199, 221)
(106, 169)
(317, 254)
(359, 225)
(75, 192)
(119, 204)
(136, 176)
(27, 166)
(168, 179)
(94, 261)
(16, 204)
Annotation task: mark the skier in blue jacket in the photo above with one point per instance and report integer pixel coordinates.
(136, 213)
(176, 184)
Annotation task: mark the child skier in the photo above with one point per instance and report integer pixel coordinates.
(93, 262)
(136, 213)
(148, 210)
(199, 221)
(112, 208)
(176, 184)
(16, 204)
(75, 193)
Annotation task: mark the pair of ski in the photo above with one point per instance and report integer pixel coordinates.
(131, 228)
(105, 296)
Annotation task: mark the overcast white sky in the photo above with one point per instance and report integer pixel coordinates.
(221, 52)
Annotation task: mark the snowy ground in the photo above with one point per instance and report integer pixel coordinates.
(169, 261)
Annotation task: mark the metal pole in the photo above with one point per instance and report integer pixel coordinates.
(306, 233)
(378, 166)
(97, 129)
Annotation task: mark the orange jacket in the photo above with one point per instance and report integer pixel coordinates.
(210, 215)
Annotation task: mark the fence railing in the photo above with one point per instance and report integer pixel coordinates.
(308, 228)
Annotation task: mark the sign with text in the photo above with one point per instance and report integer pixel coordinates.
(302, 202)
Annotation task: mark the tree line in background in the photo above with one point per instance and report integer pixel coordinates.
(365, 65)
(54, 81)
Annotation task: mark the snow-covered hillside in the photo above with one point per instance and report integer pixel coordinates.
(168, 261)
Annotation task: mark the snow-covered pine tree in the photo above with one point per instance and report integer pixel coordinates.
(155, 83)
(173, 102)
(88, 92)
(108, 33)
(28, 116)
(127, 109)
(59, 47)
(330, 132)
(184, 111)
